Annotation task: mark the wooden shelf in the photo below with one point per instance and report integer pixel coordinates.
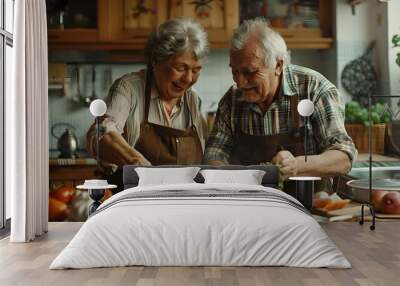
(72, 173)
(138, 44)
(72, 35)
(309, 43)
(301, 38)
(99, 46)
(305, 38)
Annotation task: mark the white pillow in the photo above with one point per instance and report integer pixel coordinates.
(164, 176)
(248, 177)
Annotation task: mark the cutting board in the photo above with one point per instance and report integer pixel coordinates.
(383, 217)
(351, 209)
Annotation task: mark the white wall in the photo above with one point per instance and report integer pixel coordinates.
(393, 28)
(355, 32)
(63, 109)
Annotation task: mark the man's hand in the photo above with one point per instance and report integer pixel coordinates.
(287, 164)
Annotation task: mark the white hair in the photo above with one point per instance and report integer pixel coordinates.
(270, 41)
(175, 36)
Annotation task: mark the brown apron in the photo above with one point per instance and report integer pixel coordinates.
(163, 145)
(256, 149)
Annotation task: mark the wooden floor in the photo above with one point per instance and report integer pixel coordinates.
(374, 255)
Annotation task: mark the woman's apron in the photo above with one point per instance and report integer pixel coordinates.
(162, 145)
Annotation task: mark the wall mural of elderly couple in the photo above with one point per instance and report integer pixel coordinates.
(154, 118)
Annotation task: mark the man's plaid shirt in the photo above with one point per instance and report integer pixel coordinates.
(327, 121)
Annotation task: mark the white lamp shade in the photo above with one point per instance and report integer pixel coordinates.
(98, 107)
(305, 107)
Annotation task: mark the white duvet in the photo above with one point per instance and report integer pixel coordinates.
(183, 231)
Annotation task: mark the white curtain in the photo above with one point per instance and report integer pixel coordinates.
(27, 124)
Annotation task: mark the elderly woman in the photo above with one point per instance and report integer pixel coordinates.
(153, 116)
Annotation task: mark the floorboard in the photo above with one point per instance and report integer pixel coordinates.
(374, 255)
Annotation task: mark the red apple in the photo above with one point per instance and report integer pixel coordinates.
(376, 199)
(391, 203)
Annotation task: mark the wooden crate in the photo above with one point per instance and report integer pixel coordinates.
(359, 134)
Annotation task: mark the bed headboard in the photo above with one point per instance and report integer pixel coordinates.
(270, 179)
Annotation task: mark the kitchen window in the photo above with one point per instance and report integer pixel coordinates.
(6, 65)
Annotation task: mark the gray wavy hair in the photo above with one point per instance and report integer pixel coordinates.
(175, 36)
(271, 42)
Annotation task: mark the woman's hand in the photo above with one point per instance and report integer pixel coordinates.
(114, 149)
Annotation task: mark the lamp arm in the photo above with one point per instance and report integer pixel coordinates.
(305, 108)
(97, 119)
(305, 138)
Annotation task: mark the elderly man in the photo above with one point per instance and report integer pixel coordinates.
(257, 119)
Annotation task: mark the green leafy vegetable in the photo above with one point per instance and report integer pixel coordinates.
(355, 113)
(396, 41)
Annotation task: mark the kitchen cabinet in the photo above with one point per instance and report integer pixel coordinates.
(71, 172)
(304, 25)
(312, 38)
(120, 25)
(131, 21)
(219, 17)
(86, 23)
(125, 24)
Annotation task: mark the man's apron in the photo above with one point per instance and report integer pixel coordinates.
(256, 149)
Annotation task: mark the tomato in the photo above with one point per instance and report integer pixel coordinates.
(58, 211)
(107, 194)
(63, 194)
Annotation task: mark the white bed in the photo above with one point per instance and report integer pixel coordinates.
(201, 224)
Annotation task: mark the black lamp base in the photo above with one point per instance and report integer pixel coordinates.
(305, 193)
(96, 195)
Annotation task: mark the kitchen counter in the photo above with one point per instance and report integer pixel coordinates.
(73, 170)
(72, 162)
(377, 161)
(362, 161)
(82, 159)
(364, 157)
(383, 167)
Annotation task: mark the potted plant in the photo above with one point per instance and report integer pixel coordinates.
(396, 44)
(357, 124)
